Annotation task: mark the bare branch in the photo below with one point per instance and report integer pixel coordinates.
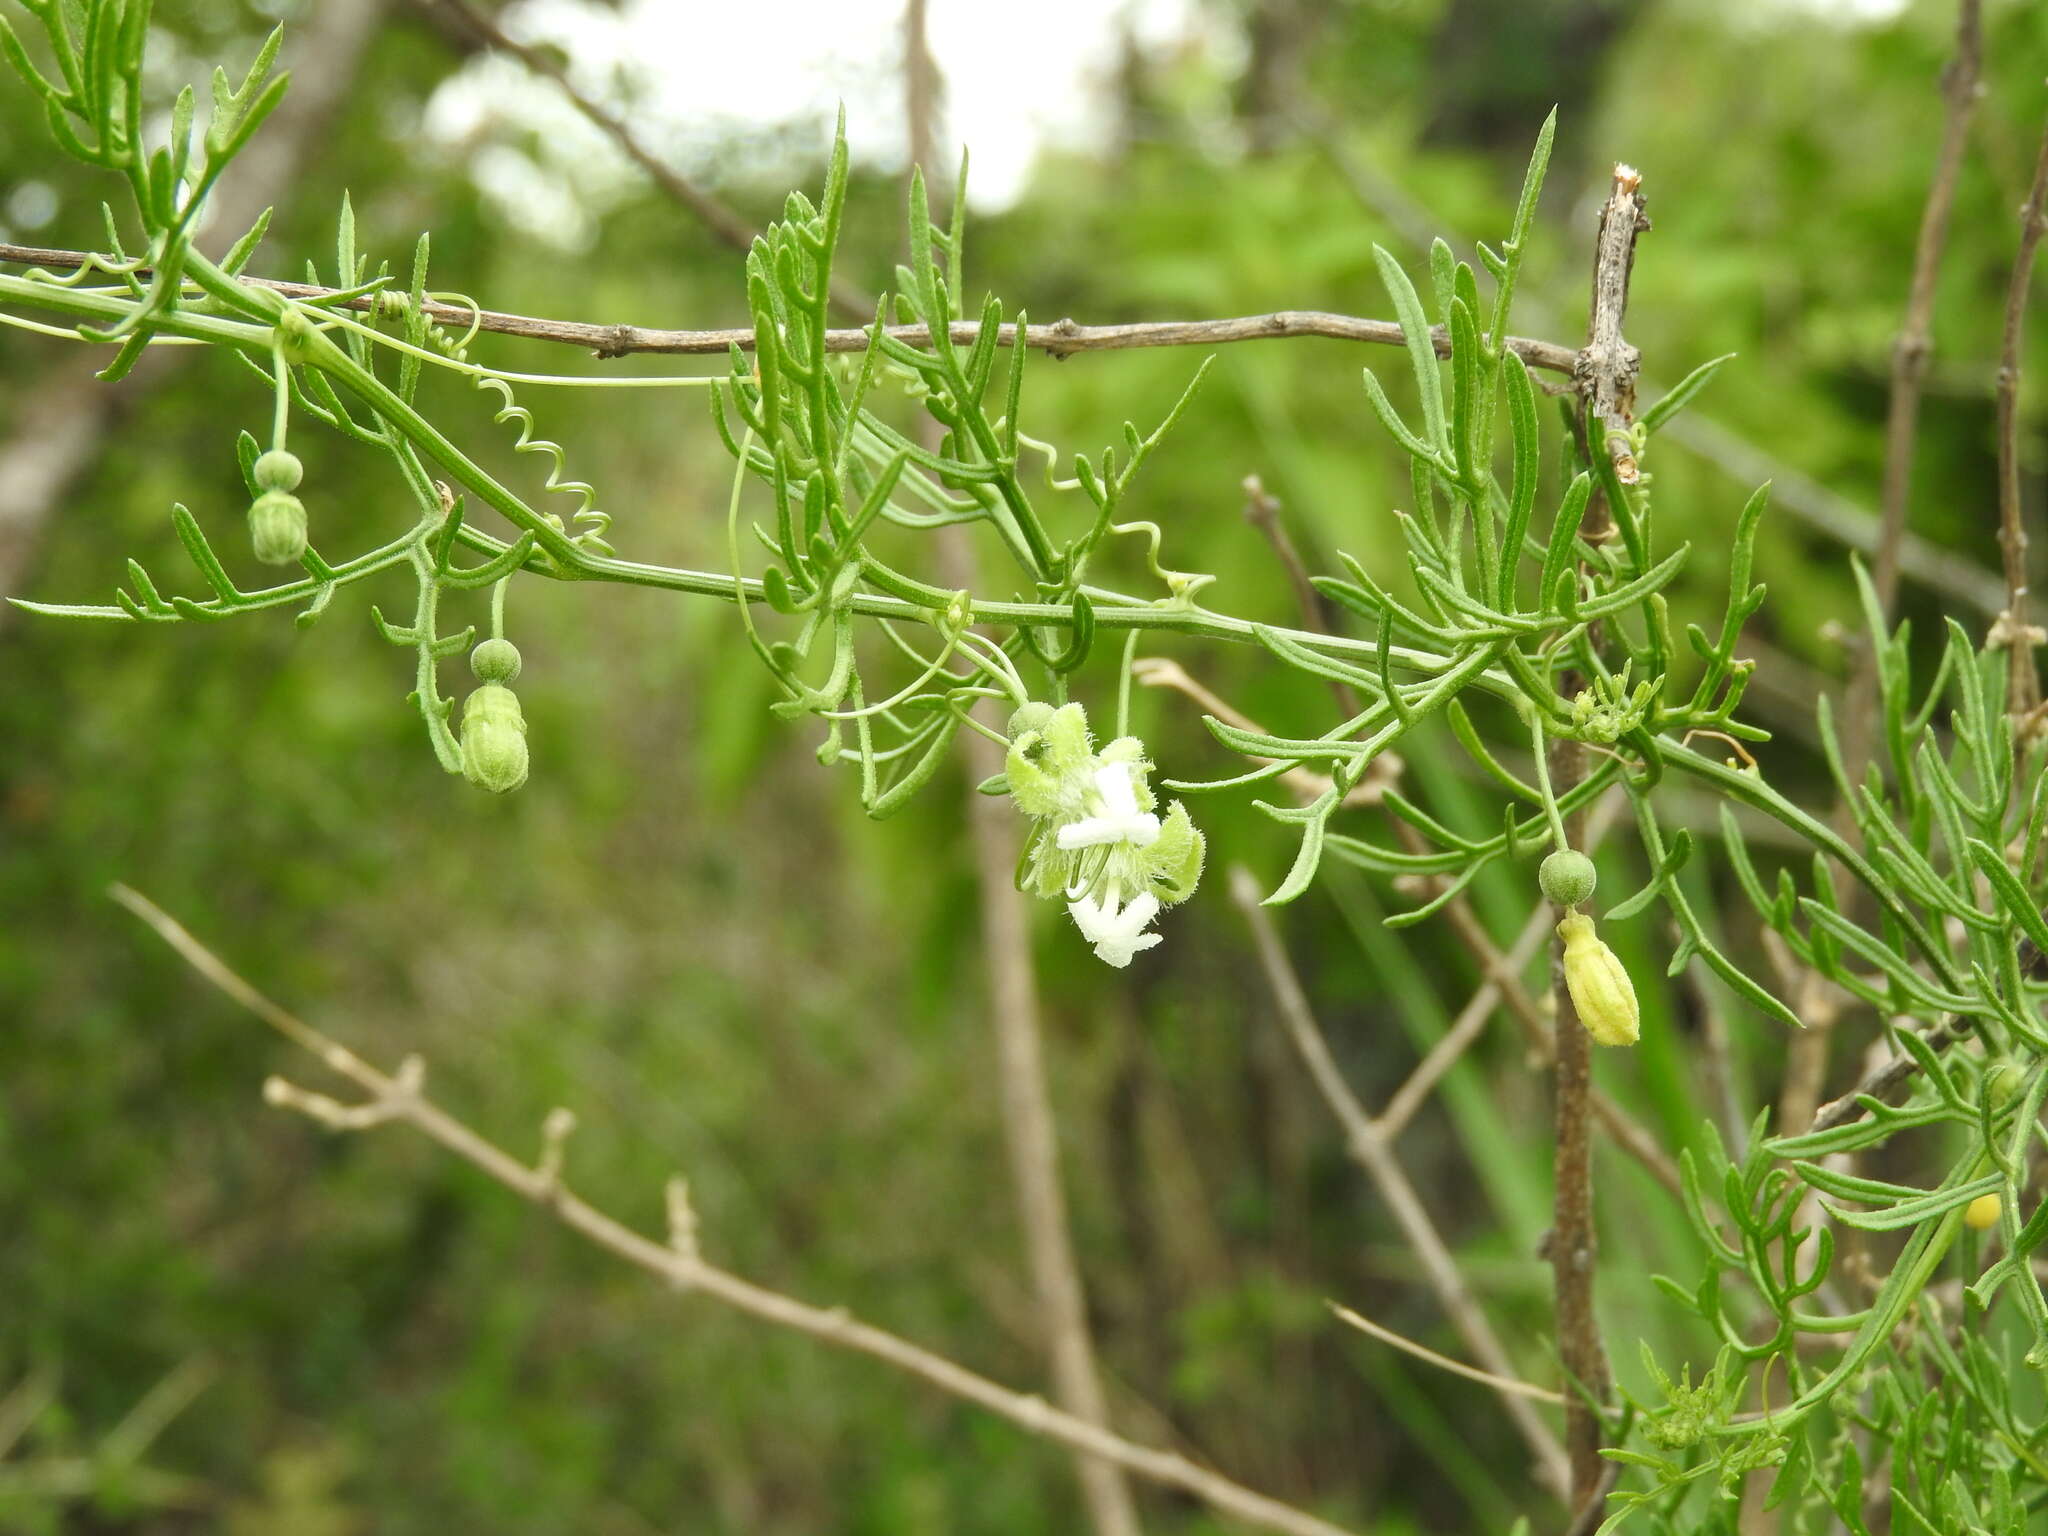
(1910, 351)
(1304, 784)
(1608, 400)
(1820, 506)
(1608, 367)
(1503, 1384)
(1939, 569)
(1371, 1150)
(722, 220)
(680, 1265)
(2023, 692)
(1030, 1131)
(1062, 338)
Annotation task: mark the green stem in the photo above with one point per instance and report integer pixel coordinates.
(1550, 810)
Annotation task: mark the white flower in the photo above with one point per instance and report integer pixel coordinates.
(1117, 931)
(1120, 820)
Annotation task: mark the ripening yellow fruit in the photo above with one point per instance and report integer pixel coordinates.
(1602, 994)
(1983, 1212)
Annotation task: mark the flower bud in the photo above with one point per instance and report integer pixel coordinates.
(277, 528)
(494, 739)
(1602, 994)
(2001, 1083)
(1982, 1213)
(1567, 877)
(495, 661)
(278, 471)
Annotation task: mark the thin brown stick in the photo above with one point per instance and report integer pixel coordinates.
(1416, 1087)
(1304, 784)
(1503, 1384)
(1061, 338)
(1915, 339)
(722, 220)
(1029, 1127)
(1609, 366)
(2023, 692)
(1262, 511)
(400, 1098)
(1607, 413)
(1541, 1034)
(1371, 1150)
(1501, 973)
(1937, 568)
(1500, 983)
(1806, 1056)
(1820, 506)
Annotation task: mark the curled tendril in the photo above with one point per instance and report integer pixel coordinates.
(1182, 585)
(93, 266)
(590, 522)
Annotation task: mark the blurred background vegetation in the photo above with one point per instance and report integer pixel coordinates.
(687, 932)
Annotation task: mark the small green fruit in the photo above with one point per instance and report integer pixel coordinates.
(495, 661)
(278, 471)
(494, 753)
(1567, 877)
(2001, 1083)
(277, 528)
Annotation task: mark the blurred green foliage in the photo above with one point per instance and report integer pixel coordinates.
(684, 931)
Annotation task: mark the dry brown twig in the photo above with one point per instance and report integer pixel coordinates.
(1807, 1054)
(2023, 691)
(1501, 1384)
(1501, 974)
(1959, 92)
(1373, 1152)
(1608, 404)
(1030, 1132)
(400, 1098)
(1061, 338)
(1820, 506)
(716, 215)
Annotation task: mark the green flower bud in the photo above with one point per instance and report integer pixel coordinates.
(1567, 877)
(2001, 1083)
(494, 739)
(278, 471)
(1050, 760)
(277, 528)
(1174, 860)
(1029, 717)
(495, 661)
(1602, 994)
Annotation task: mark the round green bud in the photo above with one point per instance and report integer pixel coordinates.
(278, 471)
(1567, 877)
(1029, 717)
(2001, 1083)
(495, 661)
(494, 753)
(277, 528)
